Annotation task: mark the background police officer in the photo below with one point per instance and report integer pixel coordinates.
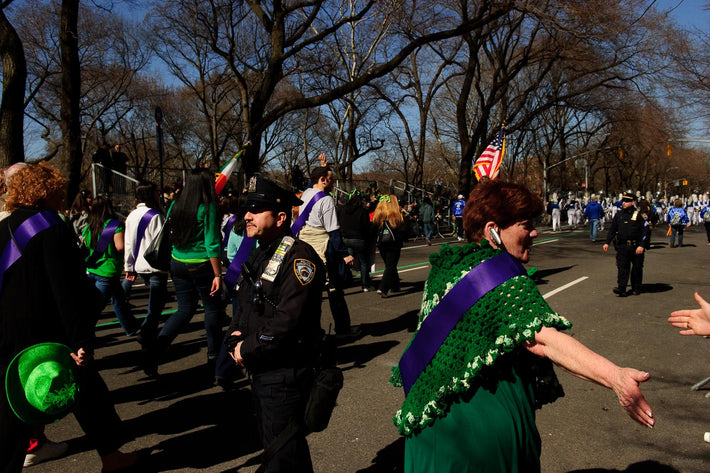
(630, 233)
(277, 324)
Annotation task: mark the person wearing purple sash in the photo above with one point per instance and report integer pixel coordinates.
(480, 362)
(104, 237)
(46, 296)
(143, 225)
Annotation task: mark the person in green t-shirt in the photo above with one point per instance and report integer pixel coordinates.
(195, 267)
(105, 267)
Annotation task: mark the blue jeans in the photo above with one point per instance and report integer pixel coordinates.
(193, 281)
(111, 289)
(593, 228)
(428, 230)
(358, 249)
(157, 295)
(677, 230)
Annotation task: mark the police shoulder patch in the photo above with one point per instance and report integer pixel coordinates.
(305, 271)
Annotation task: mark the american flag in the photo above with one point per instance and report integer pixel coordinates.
(488, 164)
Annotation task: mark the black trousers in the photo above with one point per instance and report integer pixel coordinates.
(339, 308)
(94, 412)
(390, 278)
(707, 229)
(280, 395)
(629, 263)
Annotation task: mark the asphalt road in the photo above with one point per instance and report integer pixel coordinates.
(185, 424)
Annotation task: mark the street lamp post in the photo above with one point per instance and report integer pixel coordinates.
(159, 135)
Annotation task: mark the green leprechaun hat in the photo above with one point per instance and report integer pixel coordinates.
(41, 383)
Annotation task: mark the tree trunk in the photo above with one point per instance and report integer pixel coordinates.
(71, 157)
(12, 108)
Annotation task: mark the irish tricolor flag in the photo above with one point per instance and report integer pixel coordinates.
(227, 169)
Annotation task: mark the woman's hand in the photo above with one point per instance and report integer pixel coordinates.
(626, 387)
(693, 321)
(216, 285)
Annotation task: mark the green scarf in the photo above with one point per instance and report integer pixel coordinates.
(496, 325)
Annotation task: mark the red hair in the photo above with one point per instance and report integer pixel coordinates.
(504, 203)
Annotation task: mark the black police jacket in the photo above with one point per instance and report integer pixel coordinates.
(629, 225)
(280, 320)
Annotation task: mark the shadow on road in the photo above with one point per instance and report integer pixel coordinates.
(541, 274)
(406, 321)
(640, 467)
(388, 460)
(359, 355)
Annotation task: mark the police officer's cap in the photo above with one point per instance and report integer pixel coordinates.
(265, 193)
(628, 197)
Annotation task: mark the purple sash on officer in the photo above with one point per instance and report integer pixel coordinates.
(228, 228)
(447, 313)
(298, 224)
(235, 267)
(142, 225)
(22, 236)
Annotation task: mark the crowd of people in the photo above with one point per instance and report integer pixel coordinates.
(281, 252)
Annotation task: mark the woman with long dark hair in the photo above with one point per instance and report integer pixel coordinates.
(195, 266)
(388, 220)
(104, 238)
(143, 225)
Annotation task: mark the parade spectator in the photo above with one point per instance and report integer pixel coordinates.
(322, 231)
(143, 225)
(357, 235)
(473, 382)
(105, 239)
(457, 215)
(277, 324)
(593, 214)
(693, 322)
(79, 211)
(51, 299)
(427, 216)
(629, 232)
(102, 156)
(119, 163)
(391, 233)
(678, 220)
(195, 266)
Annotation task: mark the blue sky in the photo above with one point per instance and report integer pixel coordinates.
(688, 13)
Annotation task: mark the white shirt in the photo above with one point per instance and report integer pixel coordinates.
(140, 265)
(323, 212)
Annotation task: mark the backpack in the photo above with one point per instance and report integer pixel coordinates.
(386, 234)
(675, 218)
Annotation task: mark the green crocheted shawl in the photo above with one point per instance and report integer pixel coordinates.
(495, 326)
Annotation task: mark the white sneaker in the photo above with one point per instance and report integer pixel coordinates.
(47, 451)
(706, 437)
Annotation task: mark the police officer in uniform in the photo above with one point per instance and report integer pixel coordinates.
(275, 332)
(630, 233)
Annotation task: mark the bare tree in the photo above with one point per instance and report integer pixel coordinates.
(14, 76)
(264, 43)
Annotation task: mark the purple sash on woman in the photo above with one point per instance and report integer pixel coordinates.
(142, 225)
(447, 313)
(22, 236)
(301, 221)
(103, 242)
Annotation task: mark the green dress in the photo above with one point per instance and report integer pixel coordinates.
(472, 408)
(490, 428)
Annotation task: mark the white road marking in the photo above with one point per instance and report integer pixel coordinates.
(562, 288)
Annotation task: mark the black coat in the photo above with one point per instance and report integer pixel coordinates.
(280, 323)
